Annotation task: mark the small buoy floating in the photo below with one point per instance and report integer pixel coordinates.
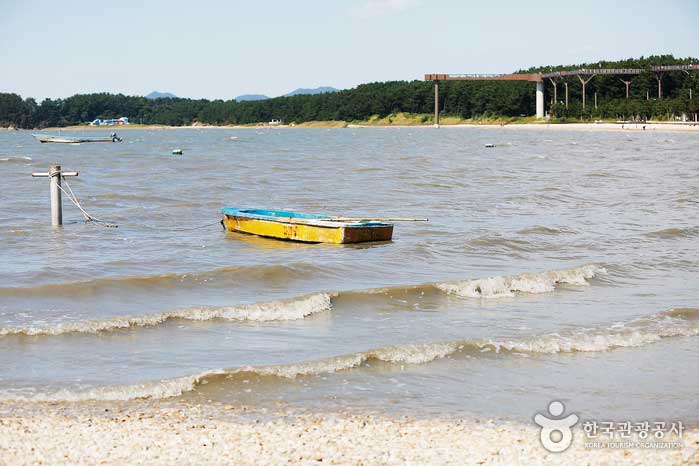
(176, 151)
(490, 145)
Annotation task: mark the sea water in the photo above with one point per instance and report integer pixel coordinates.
(557, 265)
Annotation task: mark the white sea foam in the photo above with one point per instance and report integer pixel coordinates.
(291, 309)
(167, 388)
(507, 286)
(593, 342)
(301, 307)
(635, 333)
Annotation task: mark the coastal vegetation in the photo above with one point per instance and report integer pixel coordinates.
(395, 102)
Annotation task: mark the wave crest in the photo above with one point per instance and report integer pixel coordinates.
(290, 309)
(304, 306)
(680, 322)
(674, 233)
(507, 286)
(16, 159)
(278, 273)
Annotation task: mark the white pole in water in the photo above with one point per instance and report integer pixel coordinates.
(54, 174)
(56, 200)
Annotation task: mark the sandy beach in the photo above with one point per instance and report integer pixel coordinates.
(689, 127)
(146, 433)
(653, 127)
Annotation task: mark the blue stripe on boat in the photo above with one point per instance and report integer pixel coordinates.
(281, 215)
(261, 214)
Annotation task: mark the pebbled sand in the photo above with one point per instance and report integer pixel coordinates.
(627, 127)
(152, 434)
(688, 127)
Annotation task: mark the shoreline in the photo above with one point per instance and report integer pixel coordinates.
(174, 432)
(628, 127)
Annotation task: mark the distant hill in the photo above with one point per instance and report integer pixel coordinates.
(299, 91)
(247, 97)
(160, 95)
(317, 90)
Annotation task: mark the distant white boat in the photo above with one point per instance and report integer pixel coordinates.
(74, 140)
(274, 122)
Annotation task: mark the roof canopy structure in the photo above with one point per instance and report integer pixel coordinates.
(553, 76)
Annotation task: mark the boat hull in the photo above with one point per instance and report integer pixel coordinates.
(309, 231)
(66, 140)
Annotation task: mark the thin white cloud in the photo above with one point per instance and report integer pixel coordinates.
(372, 8)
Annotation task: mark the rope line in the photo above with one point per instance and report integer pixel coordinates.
(72, 197)
(177, 229)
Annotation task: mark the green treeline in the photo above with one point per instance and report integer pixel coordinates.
(464, 99)
(643, 102)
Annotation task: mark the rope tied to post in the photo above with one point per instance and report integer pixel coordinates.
(90, 218)
(56, 209)
(74, 199)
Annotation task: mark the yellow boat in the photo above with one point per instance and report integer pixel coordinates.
(309, 228)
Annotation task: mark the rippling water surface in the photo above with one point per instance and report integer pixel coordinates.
(556, 265)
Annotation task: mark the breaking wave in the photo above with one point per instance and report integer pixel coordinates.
(680, 322)
(304, 306)
(291, 309)
(507, 286)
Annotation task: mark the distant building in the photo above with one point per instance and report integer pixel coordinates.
(110, 122)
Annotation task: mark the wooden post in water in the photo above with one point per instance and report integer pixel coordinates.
(54, 174)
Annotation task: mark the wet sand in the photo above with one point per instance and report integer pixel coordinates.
(148, 433)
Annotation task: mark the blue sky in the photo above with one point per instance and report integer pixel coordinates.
(221, 49)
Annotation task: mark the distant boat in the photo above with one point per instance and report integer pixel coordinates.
(74, 140)
(275, 122)
(308, 228)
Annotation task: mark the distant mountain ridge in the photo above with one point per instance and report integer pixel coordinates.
(299, 91)
(251, 97)
(315, 90)
(160, 95)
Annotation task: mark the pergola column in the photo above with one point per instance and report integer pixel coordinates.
(628, 85)
(659, 77)
(436, 103)
(555, 92)
(584, 83)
